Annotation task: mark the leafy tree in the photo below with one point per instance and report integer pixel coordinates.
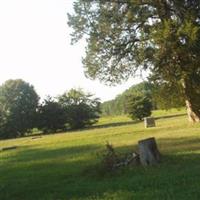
(138, 107)
(117, 106)
(107, 108)
(166, 95)
(18, 104)
(82, 109)
(163, 95)
(124, 36)
(51, 116)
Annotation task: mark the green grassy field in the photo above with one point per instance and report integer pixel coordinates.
(65, 166)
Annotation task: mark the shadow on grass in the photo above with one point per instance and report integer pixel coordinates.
(182, 144)
(29, 153)
(58, 174)
(115, 124)
(170, 116)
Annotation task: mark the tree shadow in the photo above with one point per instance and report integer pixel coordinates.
(71, 173)
(115, 124)
(33, 153)
(181, 144)
(170, 116)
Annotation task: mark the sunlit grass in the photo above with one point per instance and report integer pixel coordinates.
(173, 111)
(126, 118)
(63, 166)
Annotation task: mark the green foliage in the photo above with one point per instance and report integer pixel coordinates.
(18, 104)
(126, 36)
(51, 116)
(20, 111)
(163, 95)
(123, 36)
(117, 106)
(167, 96)
(138, 107)
(81, 108)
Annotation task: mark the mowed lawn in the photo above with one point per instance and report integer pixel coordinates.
(66, 166)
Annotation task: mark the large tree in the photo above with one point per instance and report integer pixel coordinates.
(18, 105)
(166, 95)
(82, 108)
(124, 36)
(52, 117)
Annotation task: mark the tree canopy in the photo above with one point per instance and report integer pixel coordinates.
(138, 107)
(21, 113)
(82, 108)
(166, 96)
(124, 36)
(18, 105)
(117, 106)
(52, 117)
(162, 96)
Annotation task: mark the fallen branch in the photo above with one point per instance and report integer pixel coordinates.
(131, 158)
(148, 155)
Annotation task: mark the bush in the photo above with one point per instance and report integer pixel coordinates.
(81, 108)
(51, 116)
(138, 107)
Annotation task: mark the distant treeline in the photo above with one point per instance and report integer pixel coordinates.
(21, 112)
(163, 96)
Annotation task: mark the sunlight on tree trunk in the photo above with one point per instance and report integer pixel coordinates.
(193, 115)
(193, 107)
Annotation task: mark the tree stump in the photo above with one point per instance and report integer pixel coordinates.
(149, 122)
(148, 152)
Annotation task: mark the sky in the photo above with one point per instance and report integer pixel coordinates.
(35, 46)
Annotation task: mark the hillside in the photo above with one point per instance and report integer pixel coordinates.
(64, 166)
(117, 105)
(163, 96)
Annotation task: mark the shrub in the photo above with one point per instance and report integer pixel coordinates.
(138, 107)
(51, 116)
(82, 109)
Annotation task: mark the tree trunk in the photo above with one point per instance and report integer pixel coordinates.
(148, 152)
(193, 115)
(192, 101)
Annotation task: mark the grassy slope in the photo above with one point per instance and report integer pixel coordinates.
(62, 166)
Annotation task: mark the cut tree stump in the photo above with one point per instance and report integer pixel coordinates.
(148, 152)
(149, 122)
